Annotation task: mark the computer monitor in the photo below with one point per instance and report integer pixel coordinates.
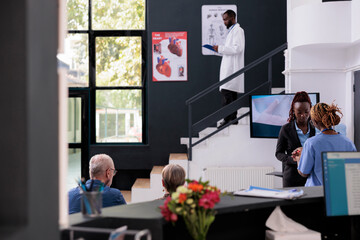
(341, 175)
(269, 112)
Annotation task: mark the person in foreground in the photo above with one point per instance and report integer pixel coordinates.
(173, 176)
(324, 117)
(293, 135)
(232, 61)
(102, 171)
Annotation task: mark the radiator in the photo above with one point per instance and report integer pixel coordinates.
(235, 178)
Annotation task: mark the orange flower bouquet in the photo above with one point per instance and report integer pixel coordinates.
(195, 204)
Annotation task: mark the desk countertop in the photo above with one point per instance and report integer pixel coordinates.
(234, 214)
(228, 204)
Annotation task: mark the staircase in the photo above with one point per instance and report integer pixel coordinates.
(147, 189)
(229, 146)
(233, 147)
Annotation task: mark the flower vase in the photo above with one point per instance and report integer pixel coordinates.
(195, 204)
(201, 237)
(195, 234)
(198, 224)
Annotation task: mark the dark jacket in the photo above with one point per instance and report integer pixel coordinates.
(287, 142)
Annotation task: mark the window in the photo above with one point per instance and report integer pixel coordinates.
(76, 60)
(74, 120)
(118, 89)
(104, 54)
(118, 15)
(77, 137)
(104, 57)
(116, 120)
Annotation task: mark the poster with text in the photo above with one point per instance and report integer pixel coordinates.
(214, 31)
(169, 56)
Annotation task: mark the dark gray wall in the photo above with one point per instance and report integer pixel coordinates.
(29, 120)
(13, 120)
(264, 23)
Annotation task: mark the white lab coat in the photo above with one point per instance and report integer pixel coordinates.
(233, 59)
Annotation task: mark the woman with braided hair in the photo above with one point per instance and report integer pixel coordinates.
(324, 117)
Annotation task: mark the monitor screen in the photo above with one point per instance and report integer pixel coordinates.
(341, 174)
(270, 112)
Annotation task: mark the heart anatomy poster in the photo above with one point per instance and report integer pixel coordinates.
(169, 56)
(214, 31)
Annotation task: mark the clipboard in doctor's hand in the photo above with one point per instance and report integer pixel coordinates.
(210, 47)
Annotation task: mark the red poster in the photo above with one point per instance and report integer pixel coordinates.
(169, 56)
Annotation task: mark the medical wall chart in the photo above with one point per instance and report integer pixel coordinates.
(214, 31)
(169, 56)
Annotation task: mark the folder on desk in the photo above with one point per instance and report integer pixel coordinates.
(253, 191)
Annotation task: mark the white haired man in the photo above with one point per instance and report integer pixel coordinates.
(102, 171)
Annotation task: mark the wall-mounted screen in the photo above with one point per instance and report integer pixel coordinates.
(269, 112)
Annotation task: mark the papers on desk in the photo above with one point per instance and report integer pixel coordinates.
(270, 193)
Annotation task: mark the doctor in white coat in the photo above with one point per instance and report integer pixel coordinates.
(232, 61)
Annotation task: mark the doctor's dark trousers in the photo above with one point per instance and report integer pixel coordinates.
(227, 98)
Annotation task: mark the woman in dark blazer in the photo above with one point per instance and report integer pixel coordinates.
(293, 135)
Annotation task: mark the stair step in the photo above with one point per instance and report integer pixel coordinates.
(157, 169)
(210, 130)
(142, 183)
(185, 141)
(180, 159)
(155, 179)
(127, 195)
(147, 189)
(277, 90)
(141, 191)
(178, 156)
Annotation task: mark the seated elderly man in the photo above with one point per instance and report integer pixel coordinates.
(102, 171)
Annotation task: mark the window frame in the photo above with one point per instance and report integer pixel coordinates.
(92, 88)
(83, 94)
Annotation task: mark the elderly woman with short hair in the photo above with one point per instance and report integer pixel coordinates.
(173, 176)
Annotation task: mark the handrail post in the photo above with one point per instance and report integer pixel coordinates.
(190, 132)
(270, 74)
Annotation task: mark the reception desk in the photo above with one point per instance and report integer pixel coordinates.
(237, 218)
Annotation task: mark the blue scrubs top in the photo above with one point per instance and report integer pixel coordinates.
(310, 160)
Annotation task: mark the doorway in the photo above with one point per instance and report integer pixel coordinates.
(77, 135)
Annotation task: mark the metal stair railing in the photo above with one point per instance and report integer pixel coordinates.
(234, 106)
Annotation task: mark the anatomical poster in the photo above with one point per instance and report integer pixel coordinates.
(169, 56)
(214, 31)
